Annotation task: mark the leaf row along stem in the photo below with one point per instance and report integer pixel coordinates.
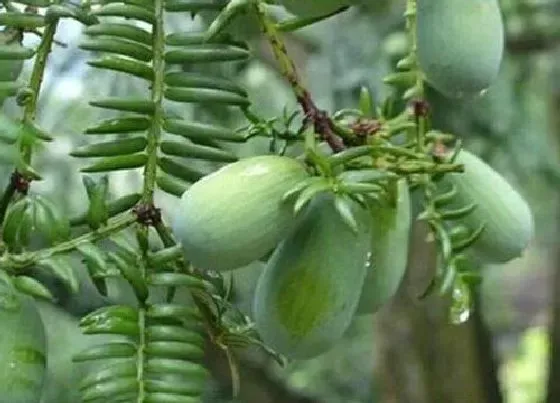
(158, 86)
(36, 80)
(447, 280)
(150, 172)
(30, 109)
(19, 262)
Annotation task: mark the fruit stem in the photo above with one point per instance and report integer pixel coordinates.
(320, 120)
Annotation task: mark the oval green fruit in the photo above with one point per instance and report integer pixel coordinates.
(460, 44)
(314, 8)
(509, 223)
(389, 250)
(236, 215)
(22, 348)
(307, 294)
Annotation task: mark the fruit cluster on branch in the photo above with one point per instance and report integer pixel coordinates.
(331, 226)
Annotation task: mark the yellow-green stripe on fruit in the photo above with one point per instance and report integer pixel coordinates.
(236, 215)
(460, 44)
(509, 224)
(22, 348)
(308, 292)
(389, 250)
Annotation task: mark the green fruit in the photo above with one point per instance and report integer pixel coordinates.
(389, 253)
(22, 348)
(314, 8)
(509, 224)
(236, 215)
(308, 292)
(460, 44)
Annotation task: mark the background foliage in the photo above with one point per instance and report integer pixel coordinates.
(406, 353)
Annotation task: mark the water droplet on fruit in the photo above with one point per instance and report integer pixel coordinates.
(483, 92)
(369, 262)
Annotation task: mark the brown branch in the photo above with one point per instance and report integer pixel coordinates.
(313, 115)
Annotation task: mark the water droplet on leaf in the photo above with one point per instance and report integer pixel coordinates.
(461, 305)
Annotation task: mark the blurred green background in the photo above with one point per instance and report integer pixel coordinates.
(407, 352)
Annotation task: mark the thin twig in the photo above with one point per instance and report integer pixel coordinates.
(313, 115)
(22, 261)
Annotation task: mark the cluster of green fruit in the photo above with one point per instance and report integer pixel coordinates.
(322, 271)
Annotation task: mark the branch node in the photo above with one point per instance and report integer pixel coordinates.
(421, 108)
(19, 182)
(148, 214)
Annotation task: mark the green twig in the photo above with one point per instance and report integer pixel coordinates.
(158, 44)
(150, 174)
(424, 168)
(22, 261)
(35, 82)
(319, 119)
(31, 104)
(141, 355)
(420, 108)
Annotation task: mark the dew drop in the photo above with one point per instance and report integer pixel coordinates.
(483, 92)
(369, 262)
(461, 305)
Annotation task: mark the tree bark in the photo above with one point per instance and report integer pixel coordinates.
(488, 364)
(553, 387)
(425, 358)
(553, 384)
